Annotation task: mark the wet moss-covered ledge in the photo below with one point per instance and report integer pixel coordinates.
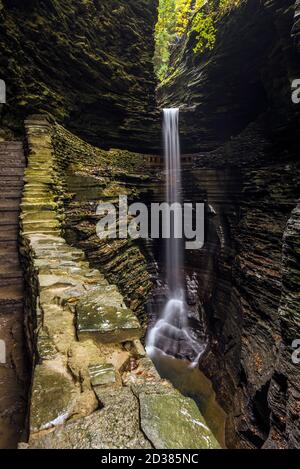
(92, 384)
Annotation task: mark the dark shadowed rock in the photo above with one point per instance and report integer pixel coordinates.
(89, 64)
(237, 113)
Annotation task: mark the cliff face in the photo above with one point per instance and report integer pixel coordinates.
(242, 123)
(249, 72)
(88, 63)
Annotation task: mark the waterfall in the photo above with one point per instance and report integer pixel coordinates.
(174, 248)
(170, 334)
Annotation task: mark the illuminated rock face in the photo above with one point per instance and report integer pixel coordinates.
(91, 68)
(186, 427)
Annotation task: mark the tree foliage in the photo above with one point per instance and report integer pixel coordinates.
(174, 17)
(203, 26)
(183, 11)
(164, 35)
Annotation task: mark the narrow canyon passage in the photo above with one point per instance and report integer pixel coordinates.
(113, 341)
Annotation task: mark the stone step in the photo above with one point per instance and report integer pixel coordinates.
(9, 205)
(11, 294)
(102, 317)
(43, 231)
(39, 216)
(9, 218)
(7, 171)
(10, 234)
(61, 256)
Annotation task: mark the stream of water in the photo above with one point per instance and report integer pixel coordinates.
(171, 332)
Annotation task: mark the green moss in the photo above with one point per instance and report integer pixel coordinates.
(53, 395)
(171, 421)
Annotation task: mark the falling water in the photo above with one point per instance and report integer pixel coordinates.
(174, 251)
(170, 333)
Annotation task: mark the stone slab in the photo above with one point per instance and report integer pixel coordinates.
(171, 421)
(102, 316)
(53, 398)
(116, 426)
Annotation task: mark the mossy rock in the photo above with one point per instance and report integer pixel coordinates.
(53, 398)
(102, 316)
(171, 421)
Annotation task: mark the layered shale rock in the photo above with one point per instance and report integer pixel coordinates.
(284, 394)
(92, 385)
(13, 368)
(92, 176)
(236, 103)
(87, 63)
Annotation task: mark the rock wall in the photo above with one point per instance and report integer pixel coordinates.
(13, 367)
(242, 75)
(92, 176)
(87, 63)
(238, 116)
(92, 384)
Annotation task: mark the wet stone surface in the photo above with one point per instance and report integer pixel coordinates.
(116, 426)
(171, 421)
(102, 316)
(53, 397)
(102, 374)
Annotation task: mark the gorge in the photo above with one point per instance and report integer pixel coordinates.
(80, 75)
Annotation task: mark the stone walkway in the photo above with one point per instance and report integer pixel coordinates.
(12, 378)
